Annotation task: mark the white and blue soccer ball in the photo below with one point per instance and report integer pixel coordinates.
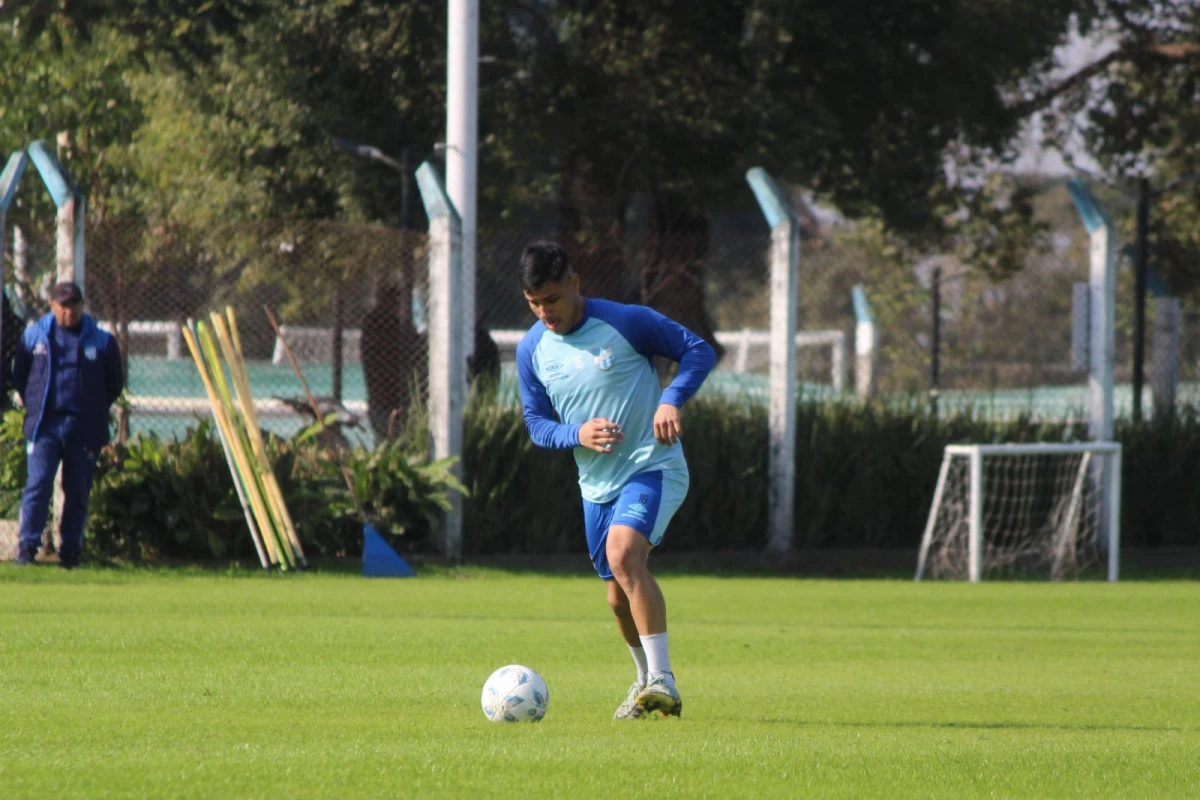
(515, 694)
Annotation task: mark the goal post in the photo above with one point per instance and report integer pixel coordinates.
(1028, 509)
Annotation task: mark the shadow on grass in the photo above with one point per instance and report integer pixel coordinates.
(1137, 566)
(969, 726)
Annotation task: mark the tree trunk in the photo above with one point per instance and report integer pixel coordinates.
(673, 272)
(592, 232)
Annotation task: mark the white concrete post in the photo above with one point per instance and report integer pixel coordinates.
(71, 216)
(447, 363)
(781, 413)
(1102, 283)
(462, 142)
(864, 344)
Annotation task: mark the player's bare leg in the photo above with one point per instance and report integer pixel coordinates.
(628, 552)
(619, 603)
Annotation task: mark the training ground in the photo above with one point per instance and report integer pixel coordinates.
(182, 683)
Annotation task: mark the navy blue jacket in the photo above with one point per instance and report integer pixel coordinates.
(100, 377)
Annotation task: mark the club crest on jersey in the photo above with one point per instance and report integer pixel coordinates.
(603, 357)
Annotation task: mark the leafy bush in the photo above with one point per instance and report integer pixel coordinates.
(12, 462)
(402, 495)
(175, 499)
(523, 499)
(865, 476)
(1160, 462)
(165, 499)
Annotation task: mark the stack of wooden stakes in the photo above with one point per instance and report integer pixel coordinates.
(266, 514)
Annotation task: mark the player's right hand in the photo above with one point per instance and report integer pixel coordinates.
(600, 434)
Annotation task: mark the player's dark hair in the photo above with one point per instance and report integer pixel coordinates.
(543, 262)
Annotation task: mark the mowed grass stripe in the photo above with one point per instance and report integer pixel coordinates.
(161, 684)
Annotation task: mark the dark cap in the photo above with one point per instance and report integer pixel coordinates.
(66, 293)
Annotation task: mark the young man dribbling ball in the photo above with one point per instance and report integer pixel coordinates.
(588, 383)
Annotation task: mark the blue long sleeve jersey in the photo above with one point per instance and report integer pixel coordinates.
(602, 368)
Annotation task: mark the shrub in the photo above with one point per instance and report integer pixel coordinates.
(175, 499)
(12, 462)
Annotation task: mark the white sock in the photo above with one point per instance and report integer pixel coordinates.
(639, 659)
(657, 659)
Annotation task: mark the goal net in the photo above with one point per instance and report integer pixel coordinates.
(1046, 510)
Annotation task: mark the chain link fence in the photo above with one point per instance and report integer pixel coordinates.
(353, 303)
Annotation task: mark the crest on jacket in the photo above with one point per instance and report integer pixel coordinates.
(603, 357)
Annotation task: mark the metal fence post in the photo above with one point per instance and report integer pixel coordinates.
(1164, 349)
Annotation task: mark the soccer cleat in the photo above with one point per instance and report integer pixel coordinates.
(629, 709)
(660, 695)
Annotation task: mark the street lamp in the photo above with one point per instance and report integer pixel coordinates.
(372, 153)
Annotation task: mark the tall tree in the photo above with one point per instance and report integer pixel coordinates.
(1136, 110)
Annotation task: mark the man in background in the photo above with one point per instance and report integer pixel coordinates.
(68, 374)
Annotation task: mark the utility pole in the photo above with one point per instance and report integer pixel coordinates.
(1139, 292)
(935, 343)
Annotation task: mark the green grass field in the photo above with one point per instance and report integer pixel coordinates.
(170, 683)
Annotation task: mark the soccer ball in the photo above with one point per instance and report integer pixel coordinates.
(515, 694)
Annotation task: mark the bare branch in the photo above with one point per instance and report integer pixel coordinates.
(1044, 98)
(1175, 51)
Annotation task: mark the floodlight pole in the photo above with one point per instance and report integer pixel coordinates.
(781, 414)
(447, 363)
(1139, 295)
(462, 139)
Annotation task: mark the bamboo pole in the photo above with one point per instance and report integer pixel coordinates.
(312, 401)
(223, 428)
(267, 523)
(241, 383)
(273, 483)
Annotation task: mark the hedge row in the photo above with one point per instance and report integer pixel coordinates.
(864, 478)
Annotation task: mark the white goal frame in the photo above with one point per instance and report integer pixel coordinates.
(1107, 476)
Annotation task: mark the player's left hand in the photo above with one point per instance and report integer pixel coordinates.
(667, 428)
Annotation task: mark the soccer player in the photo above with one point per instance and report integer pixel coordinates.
(588, 363)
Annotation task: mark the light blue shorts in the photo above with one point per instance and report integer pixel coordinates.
(647, 503)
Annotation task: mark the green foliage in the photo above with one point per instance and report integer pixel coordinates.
(726, 448)
(402, 495)
(1160, 472)
(865, 476)
(156, 499)
(12, 462)
(312, 489)
(523, 499)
